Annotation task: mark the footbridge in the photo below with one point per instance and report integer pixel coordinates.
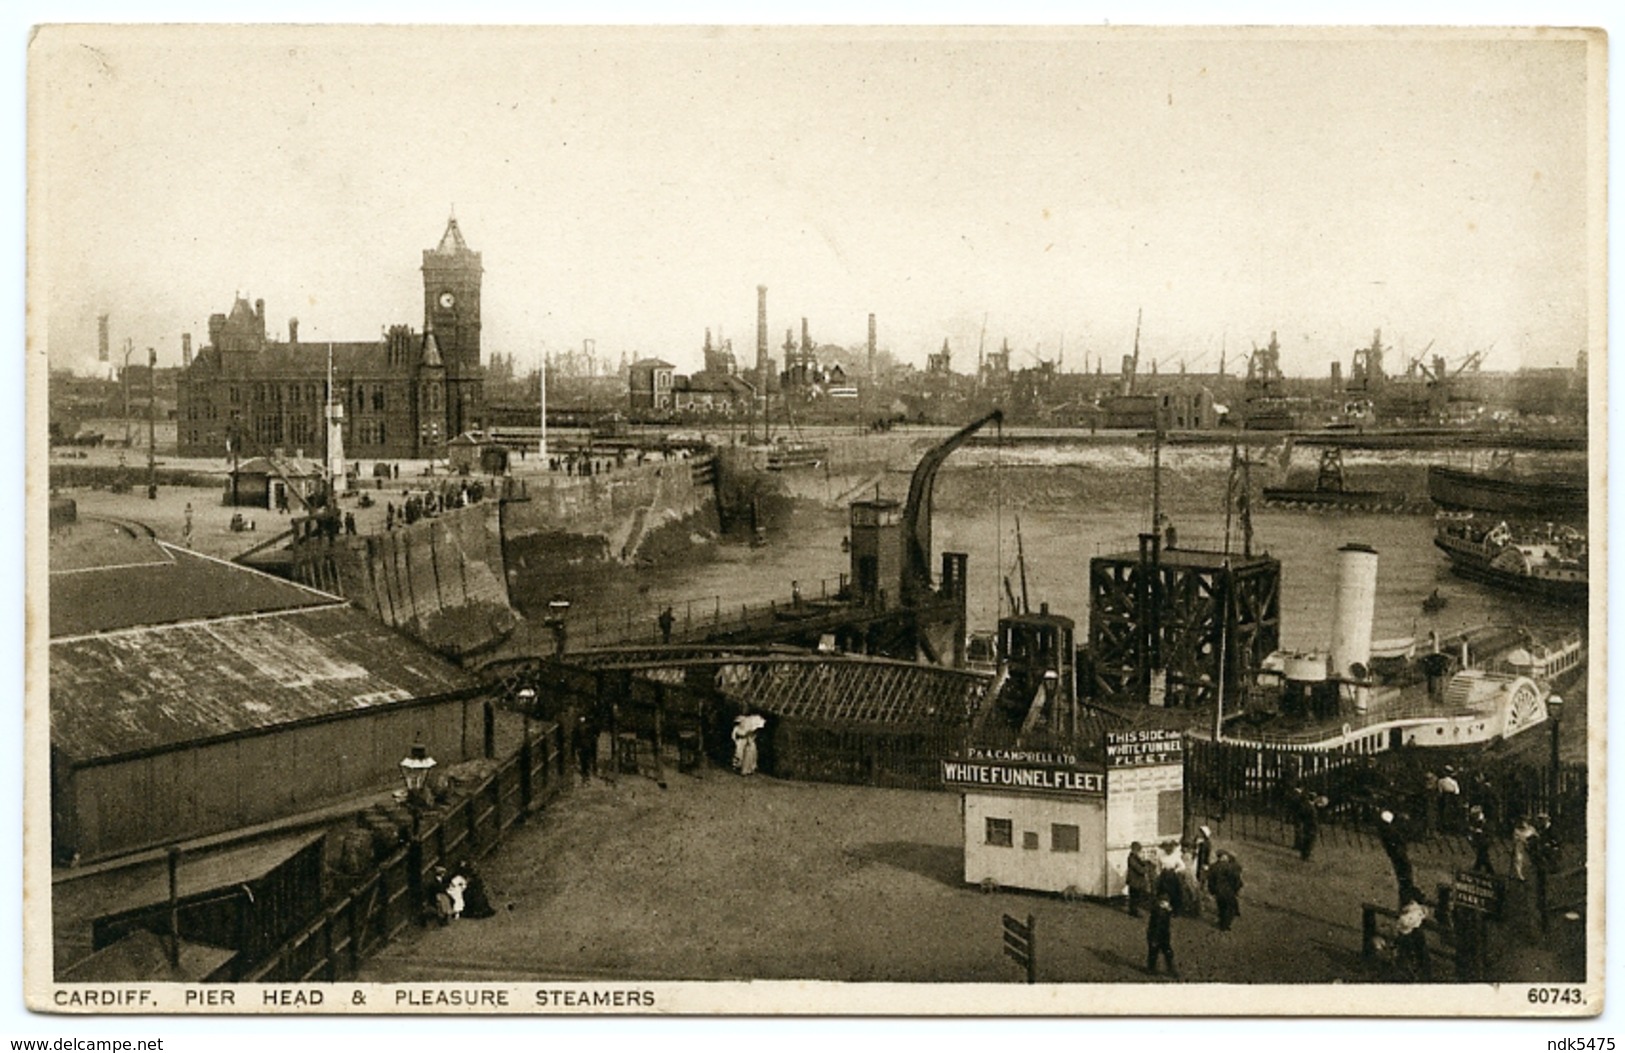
(832, 717)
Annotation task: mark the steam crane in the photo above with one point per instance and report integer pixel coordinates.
(916, 584)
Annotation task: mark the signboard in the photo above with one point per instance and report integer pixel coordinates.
(1144, 748)
(1476, 891)
(1013, 776)
(1020, 945)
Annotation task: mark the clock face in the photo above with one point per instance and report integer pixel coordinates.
(447, 299)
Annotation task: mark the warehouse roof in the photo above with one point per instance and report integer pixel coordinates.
(155, 646)
(151, 688)
(106, 577)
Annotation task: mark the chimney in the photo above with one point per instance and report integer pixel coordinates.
(293, 330)
(1353, 611)
(186, 350)
(259, 310)
(806, 341)
(708, 338)
(761, 331)
(871, 345)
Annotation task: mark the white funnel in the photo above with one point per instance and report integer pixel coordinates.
(1355, 610)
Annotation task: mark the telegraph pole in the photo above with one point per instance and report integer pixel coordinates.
(543, 449)
(152, 425)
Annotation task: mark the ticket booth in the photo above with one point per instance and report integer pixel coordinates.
(1061, 820)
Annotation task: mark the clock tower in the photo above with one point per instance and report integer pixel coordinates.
(451, 310)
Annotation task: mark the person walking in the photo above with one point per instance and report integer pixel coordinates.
(1204, 852)
(1543, 852)
(1159, 936)
(1399, 857)
(1142, 879)
(1478, 836)
(1224, 881)
(585, 742)
(1309, 823)
(665, 621)
(1522, 834)
(1430, 805)
(1449, 800)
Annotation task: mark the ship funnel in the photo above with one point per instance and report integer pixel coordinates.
(1355, 606)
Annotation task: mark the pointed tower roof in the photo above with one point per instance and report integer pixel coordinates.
(452, 240)
(431, 348)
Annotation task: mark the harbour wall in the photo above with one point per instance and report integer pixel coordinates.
(608, 516)
(457, 581)
(440, 580)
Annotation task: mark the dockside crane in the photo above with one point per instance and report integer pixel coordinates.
(917, 512)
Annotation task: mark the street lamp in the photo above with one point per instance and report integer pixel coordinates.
(1554, 714)
(557, 610)
(415, 769)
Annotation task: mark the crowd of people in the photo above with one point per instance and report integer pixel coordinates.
(453, 494)
(584, 465)
(1175, 879)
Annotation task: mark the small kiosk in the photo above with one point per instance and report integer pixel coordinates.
(1062, 819)
(1052, 796)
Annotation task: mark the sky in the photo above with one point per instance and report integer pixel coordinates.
(634, 186)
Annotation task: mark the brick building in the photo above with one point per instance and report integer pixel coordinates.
(405, 393)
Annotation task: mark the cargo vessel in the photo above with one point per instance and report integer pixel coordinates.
(1501, 492)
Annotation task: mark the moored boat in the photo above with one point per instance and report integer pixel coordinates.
(1549, 562)
(1505, 494)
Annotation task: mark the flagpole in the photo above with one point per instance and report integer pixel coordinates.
(543, 450)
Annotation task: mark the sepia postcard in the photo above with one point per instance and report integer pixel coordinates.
(1067, 521)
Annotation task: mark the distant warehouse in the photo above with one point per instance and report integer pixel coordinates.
(191, 696)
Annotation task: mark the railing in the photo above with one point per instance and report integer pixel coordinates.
(1214, 543)
(1249, 786)
(697, 618)
(391, 897)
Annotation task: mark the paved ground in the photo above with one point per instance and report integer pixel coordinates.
(719, 877)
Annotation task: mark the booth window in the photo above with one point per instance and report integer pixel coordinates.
(1171, 812)
(1000, 832)
(1063, 837)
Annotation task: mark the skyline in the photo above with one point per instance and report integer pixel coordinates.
(633, 186)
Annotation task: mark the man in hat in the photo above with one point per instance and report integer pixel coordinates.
(1309, 823)
(1543, 851)
(1142, 878)
(1393, 844)
(1224, 881)
(584, 739)
(1478, 836)
(1159, 936)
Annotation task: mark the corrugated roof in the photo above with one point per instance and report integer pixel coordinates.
(293, 467)
(164, 586)
(119, 693)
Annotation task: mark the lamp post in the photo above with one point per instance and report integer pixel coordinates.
(557, 611)
(415, 769)
(1554, 714)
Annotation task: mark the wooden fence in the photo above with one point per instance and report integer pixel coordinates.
(1248, 785)
(391, 897)
(253, 918)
